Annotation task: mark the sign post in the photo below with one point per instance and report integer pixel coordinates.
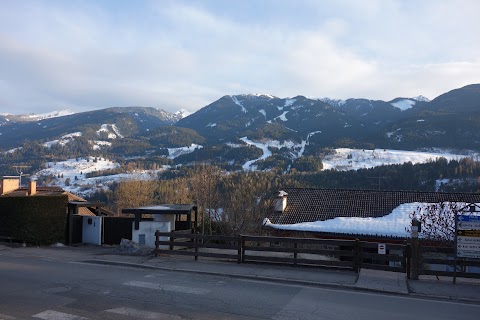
(382, 248)
(467, 236)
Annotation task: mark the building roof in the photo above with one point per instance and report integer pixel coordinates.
(42, 191)
(49, 191)
(309, 205)
(162, 209)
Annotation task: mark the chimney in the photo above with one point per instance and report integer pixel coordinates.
(9, 184)
(280, 202)
(32, 187)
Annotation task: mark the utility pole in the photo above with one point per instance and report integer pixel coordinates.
(379, 179)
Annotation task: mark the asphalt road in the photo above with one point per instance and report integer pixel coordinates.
(33, 288)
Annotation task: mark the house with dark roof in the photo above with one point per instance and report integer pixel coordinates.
(38, 214)
(372, 213)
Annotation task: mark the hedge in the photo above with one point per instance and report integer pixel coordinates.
(37, 220)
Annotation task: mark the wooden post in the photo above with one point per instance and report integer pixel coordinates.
(195, 241)
(157, 238)
(408, 257)
(295, 253)
(243, 248)
(356, 258)
(415, 264)
(171, 239)
(239, 251)
(70, 224)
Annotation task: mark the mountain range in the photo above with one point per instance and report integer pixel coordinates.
(450, 121)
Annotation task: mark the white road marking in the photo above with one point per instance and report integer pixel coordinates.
(153, 275)
(55, 315)
(145, 314)
(5, 317)
(166, 287)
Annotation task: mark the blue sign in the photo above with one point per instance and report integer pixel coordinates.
(463, 218)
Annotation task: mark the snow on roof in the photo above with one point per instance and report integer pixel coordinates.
(394, 224)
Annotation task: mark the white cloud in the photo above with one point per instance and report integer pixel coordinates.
(179, 54)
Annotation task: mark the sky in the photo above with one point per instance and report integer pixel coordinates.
(85, 55)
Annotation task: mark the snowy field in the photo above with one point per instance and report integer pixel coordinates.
(354, 159)
(351, 159)
(75, 171)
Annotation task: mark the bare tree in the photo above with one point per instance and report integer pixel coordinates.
(245, 201)
(204, 185)
(437, 220)
(133, 193)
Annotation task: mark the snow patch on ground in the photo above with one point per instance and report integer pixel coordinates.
(211, 125)
(306, 143)
(98, 144)
(48, 115)
(117, 132)
(421, 98)
(238, 103)
(76, 170)
(248, 166)
(183, 113)
(289, 102)
(282, 116)
(63, 139)
(111, 130)
(176, 152)
(263, 112)
(403, 104)
(354, 159)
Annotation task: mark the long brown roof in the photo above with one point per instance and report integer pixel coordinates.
(308, 205)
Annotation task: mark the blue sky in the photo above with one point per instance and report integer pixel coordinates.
(85, 55)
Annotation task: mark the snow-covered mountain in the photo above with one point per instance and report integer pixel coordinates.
(48, 115)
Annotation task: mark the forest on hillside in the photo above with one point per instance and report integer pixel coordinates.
(237, 202)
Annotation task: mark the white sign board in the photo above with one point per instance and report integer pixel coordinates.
(468, 236)
(382, 248)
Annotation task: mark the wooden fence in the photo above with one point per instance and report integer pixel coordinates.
(345, 254)
(440, 261)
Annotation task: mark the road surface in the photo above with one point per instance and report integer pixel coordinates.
(39, 288)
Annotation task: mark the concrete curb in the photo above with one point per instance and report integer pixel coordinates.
(284, 281)
(230, 275)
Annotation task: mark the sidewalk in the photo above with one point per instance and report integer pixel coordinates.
(466, 290)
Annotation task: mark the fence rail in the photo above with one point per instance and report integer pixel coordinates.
(440, 261)
(343, 254)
